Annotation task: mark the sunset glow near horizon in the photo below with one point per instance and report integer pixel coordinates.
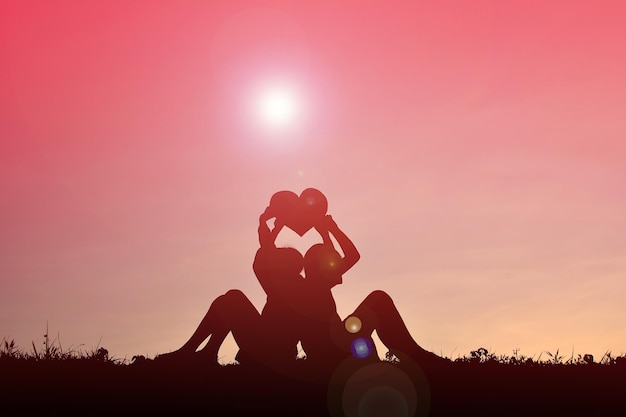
(473, 151)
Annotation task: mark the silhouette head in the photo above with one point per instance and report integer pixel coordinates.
(322, 263)
(278, 261)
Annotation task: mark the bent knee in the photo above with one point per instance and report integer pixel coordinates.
(379, 297)
(234, 293)
(234, 296)
(235, 301)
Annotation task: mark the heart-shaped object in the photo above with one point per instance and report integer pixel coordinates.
(299, 213)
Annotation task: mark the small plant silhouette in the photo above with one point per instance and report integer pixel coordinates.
(556, 358)
(53, 351)
(9, 350)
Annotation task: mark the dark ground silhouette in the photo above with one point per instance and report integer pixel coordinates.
(460, 388)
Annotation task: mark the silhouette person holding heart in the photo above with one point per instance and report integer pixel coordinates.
(302, 309)
(326, 339)
(268, 338)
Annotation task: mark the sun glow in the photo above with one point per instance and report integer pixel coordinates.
(277, 107)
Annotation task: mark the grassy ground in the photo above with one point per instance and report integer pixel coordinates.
(51, 381)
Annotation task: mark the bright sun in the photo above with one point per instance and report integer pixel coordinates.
(277, 107)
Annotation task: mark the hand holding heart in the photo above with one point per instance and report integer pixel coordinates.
(299, 213)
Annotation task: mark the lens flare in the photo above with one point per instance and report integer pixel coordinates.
(361, 348)
(379, 389)
(353, 324)
(383, 401)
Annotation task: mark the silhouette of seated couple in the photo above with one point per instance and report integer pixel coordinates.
(301, 308)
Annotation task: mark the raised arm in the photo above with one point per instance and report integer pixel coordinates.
(265, 255)
(350, 253)
(267, 238)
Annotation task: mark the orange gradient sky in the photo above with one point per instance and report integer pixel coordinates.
(475, 152)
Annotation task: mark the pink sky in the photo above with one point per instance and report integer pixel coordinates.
(474, 152)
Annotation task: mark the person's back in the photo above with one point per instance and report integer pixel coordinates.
(278, 272)
(322, 326)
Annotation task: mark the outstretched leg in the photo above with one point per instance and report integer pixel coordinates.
(378, 312)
